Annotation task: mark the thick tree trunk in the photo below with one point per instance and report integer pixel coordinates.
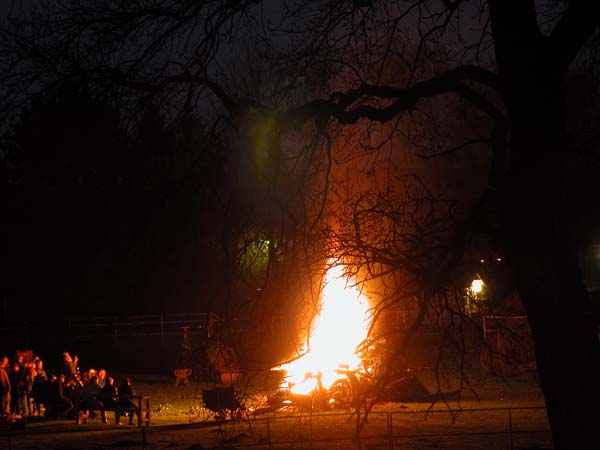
(539, 247)
(535, 228)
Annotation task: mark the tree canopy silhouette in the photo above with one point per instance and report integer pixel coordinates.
(336, 66)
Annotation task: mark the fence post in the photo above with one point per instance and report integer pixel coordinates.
(162, 329)
(390, 431)
(115, 331)
(144, 442)
(310, 427)
(510, 434)
(269, 432)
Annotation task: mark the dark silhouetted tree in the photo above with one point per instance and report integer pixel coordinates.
(508, 59)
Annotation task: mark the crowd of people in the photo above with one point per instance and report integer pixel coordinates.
(26, 389)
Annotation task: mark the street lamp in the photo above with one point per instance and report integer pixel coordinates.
(477, 286)
(474, 295)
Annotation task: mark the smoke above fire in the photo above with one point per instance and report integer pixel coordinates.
(336, 332)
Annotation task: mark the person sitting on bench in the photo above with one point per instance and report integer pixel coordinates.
(89, 400)
(108, 395)
(125, 402)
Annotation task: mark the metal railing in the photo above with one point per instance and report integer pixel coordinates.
(101, 326)
(384, 429)
(489, 428)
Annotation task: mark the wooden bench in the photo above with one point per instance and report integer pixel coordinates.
(82, 411)
(143, 406)
(143, 409)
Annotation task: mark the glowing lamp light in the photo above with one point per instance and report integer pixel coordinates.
(476, 286)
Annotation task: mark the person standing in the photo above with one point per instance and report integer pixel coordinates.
(69, 365)
(39, 368)
(18, 389)
(29, 375)
(101, 377)
(37, 390)
(5, 387)
(58, 404)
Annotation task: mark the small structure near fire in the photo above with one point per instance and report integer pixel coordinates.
(184, 360)
(224, 363)
(212, 360)
(182, 376)
(508, 343)
(223, 401)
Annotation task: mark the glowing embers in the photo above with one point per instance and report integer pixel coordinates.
(336, 332)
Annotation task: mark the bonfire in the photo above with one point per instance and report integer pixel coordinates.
(332, 359)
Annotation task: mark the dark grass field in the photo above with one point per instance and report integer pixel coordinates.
(502, 413)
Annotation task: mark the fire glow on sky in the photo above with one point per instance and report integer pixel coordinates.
(336, 332)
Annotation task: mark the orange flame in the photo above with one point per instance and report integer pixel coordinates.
(341, 325)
